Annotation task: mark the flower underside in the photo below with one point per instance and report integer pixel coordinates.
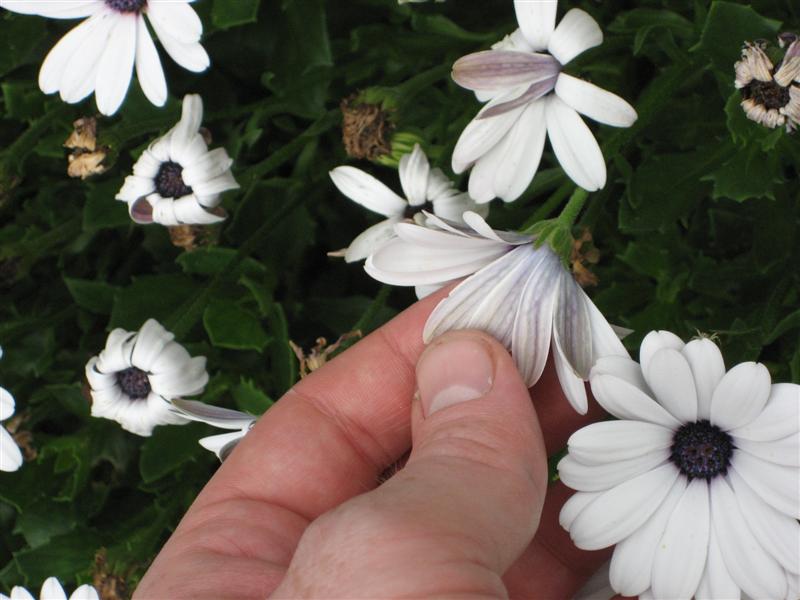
(169, 181)
(127, 6)
(701, 450)
(412, 211)
(134, 383)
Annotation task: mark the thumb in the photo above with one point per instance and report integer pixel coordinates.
(465, 506)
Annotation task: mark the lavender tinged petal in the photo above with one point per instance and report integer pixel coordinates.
(499, 69)
(536, 91)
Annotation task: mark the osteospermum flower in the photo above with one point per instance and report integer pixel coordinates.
(771, 94)
(99, 54)
(52, 590)
(424, 189)
(224, 418)
(10, 455)
(177, 180)
(529, 96)
(520, 294)
(698, 483)
(138, 373)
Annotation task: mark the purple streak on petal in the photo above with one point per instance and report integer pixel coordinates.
(536, 91)
(501, 69)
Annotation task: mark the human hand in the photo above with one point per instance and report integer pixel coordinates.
(297, 509)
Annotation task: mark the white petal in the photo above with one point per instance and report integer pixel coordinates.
(610, 441)
(116, 65)
(681, 554)
(53, 9)
(85, 592)
(223, 444)
(576, 33)
(148, 66)
(19, 593)
(210, 165)
(537, 20)
(605, 341)
(599, 476)
(571, 383)
(150, 341)
(414, 170)
(626, 401)
(116, 356)
(780, 417)
(573, 507)
(370, 240)
(716, 582)
(190, 211)
(572, 331)
(776, 484)
(574, 145)
(218, 416)
(368, 191)
(439, 186)
(98, 380)
(623, 367)
(655, 341)
(740, 396)
(777, 533)
(177, 20)
(785, 451)
(52, 590)
(631, 566)
(595, 102)
(191, 56)
(620, 511)
(453, 207)
(59, 56)
(670, 377)
(10, 456)
(6, 404)
(186, 382)
(708, 369)
(79, 74)
(216, 185)
(755, 571)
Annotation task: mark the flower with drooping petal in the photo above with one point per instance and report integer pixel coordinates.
(99, 54)
(529, 96)
(52, 590)
(137, 375)
(10, 455)
(520, 294)
(698, 483)
(771, 95)
(424, 189)
(224, 418)
(177, 180)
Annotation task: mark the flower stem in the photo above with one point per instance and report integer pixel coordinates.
(570, 212)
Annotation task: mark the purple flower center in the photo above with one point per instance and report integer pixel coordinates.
(701, 450)
(134, 383)
(169, 181)
(127, 6)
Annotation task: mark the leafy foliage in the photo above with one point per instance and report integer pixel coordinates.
(697, 229)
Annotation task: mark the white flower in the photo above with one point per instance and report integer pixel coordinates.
(52, 590)
(424, 188)
(529, 95)
(136, 376)
(520, 294)
(224, 418)
(177, 180)
(99, 54)
(770, 96)
(10, 455)
(698, 483)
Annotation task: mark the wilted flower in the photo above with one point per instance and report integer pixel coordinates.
(177, 180)
(52, 590)
(520, 294)
(10, 455)
(771, 94)
(529, 96)
(424, 189)
(698, 483)
(99, 54)
(86, 159)
(224, 418)
(365, 129)
(137, 375)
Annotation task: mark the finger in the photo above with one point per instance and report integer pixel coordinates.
(466, 504)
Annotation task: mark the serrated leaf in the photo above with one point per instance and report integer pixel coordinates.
(226, 14)
(250, 398)
(230, 326)
(751, 173)
(94, 296)
(168, 448)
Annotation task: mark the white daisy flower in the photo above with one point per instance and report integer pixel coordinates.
(529, 96)
(177, 180)
(224, 418)
(698, 483)
(520, 294)
(10, 455)
(99, 54)
(424, 189)
(138, 373)
(52, 590)
(771, 95)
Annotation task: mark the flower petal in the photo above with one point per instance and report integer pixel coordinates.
(573, 507)
(223, 444)
(716, 581)
(785, 451)
(595, 102)
(367, 191)
(626, 401)
(574, 145)
(572, 384)
(576, 33)
(150, 341)
(751, 567)
(191, 56)
(52, 590)
(623, 367)
(218, 416)
(116, 356)
(369, 240)
(148, 66)
(53, 9)
(85, 592)
(740, 396)
(572, 325)
(79, 75)
(776, 484)
(779, 418)
(599, 476)
(655, 341)
(610, 441)
(10, 455)
(620, 511)
(708, 368)
(177, 19)
(19, 593)
(185, 382)
(605, 341)
(669, 376)
(6, 404)
(52, 71)
(492, 70)
(115, 69)
(537, 20)
(414, 170)
(681, 554)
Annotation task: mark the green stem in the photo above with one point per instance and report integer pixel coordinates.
(25, 143)
(555, 199)
(570, 212)
(406, 91)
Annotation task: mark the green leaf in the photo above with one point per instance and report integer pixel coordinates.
(250, 398)
(23, 101)
(21, 36)
(63, 557)
(214, 260)
(94, 296)
(43, 520)
(751, 173)
(282, 358)
(745, 132)
(226, 14)
(168, 448)
(101, 210)
(150, 296)
(230, 326)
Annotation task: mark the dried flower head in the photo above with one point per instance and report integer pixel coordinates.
(584, 254)
(87, 157)
(365, 129)
(320, 353)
